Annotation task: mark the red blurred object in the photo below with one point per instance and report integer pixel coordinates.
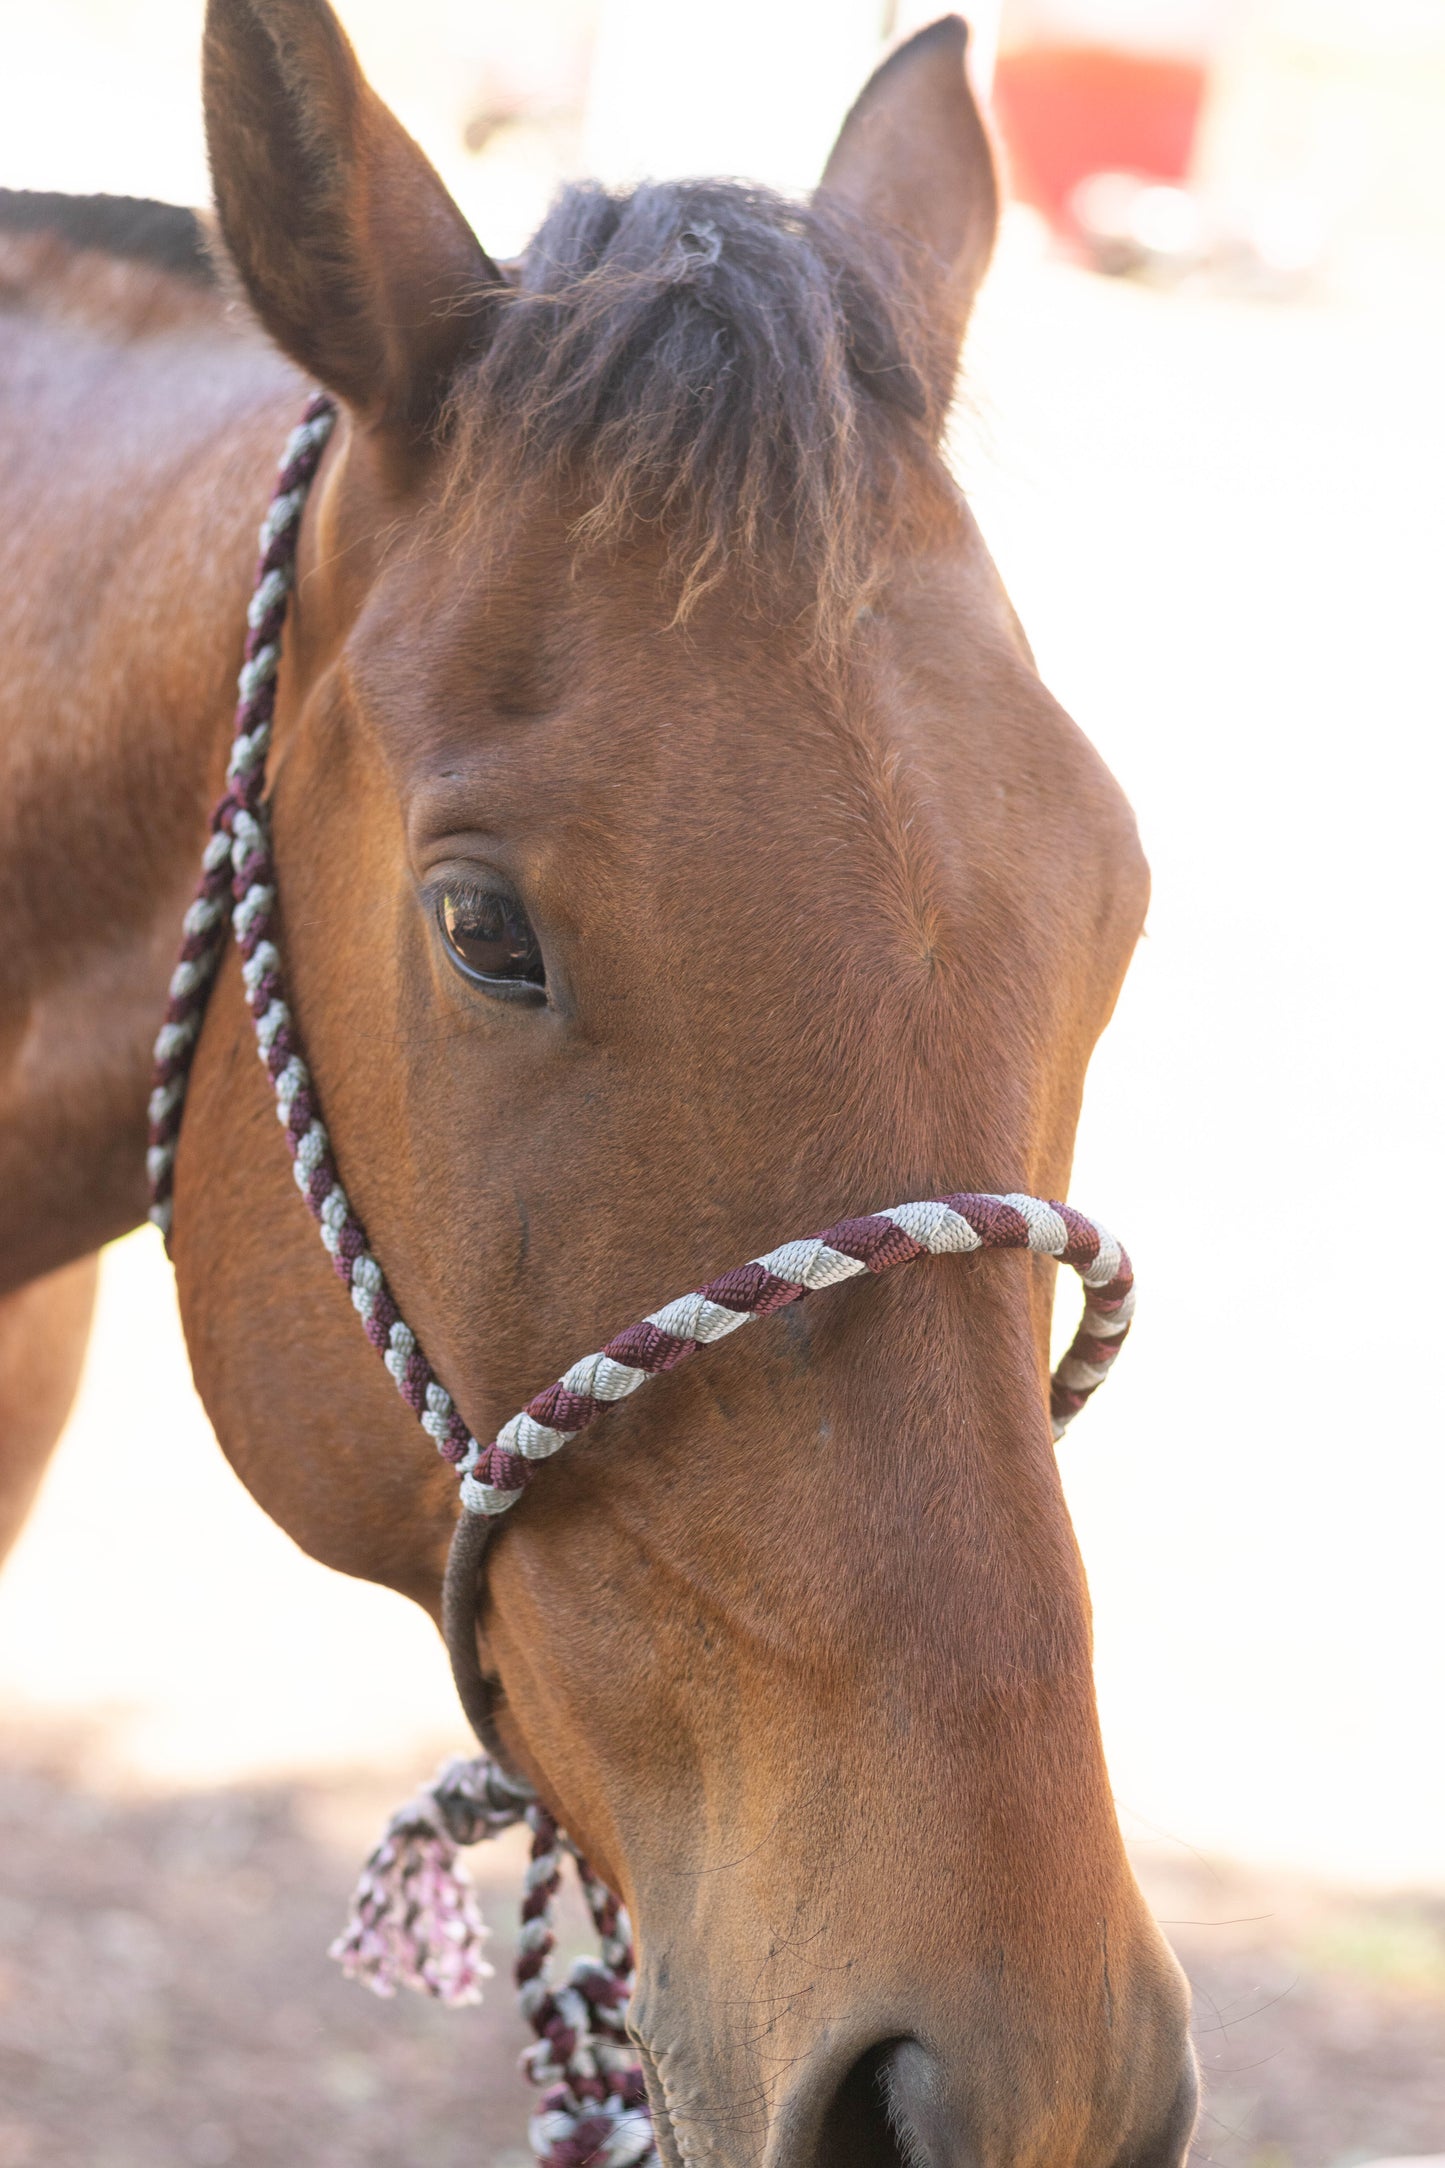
(1067, 111)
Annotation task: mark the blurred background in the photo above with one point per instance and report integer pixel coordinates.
(1200, 424)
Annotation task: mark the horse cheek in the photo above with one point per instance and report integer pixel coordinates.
(320, 1440)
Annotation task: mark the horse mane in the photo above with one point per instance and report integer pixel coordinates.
(167, 236)
(742, 373)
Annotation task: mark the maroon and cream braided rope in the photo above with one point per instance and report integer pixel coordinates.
(204, 926)
(594, 2103)
(414, 1921)
(879, 1241)
(238, 859)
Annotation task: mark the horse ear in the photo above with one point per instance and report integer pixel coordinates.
(913, 160)
(352, 253)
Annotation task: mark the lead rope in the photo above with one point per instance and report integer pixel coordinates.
(414, 1919)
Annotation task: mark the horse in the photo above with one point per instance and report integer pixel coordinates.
(677, 848)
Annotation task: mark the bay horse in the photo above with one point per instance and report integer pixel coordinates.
(678, 849)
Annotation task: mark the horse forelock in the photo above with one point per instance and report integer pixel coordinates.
(741, 375)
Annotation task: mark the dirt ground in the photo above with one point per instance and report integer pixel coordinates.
(166, 2001)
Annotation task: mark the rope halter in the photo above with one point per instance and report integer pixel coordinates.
(414, 1922)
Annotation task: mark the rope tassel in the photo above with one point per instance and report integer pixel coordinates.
(414, 1919)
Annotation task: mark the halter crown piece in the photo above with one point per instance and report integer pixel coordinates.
(415, 1921)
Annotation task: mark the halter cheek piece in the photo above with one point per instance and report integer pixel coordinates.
(414, 1920)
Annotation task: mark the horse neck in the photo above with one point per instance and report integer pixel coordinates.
(135, 475)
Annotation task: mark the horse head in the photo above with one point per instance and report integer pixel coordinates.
(678, 851)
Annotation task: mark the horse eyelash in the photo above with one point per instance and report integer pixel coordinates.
(469, 890)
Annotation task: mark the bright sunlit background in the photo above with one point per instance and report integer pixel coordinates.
(1214, 483)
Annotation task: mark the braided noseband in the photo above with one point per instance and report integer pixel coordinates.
(415, 1921)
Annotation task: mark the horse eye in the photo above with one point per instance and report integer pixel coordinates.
(490, 938)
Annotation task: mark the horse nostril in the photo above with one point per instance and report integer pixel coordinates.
(878, 2117)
